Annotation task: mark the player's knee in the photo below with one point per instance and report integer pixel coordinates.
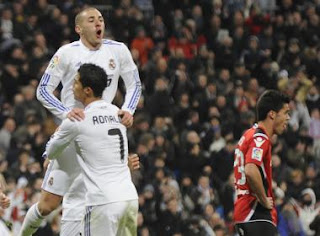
(44, 209)
(48, 203)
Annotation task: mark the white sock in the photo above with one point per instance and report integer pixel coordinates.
(32, 221)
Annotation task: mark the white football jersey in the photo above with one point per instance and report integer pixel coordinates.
(114, 57)
(102, 144)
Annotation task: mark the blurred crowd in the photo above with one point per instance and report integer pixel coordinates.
(203, 64)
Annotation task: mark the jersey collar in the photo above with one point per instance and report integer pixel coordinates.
(256, 126)
(86, 48)
(95, 104)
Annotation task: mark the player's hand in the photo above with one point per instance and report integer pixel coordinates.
(45, 164)
(76, 114)
(126, 118)
(4, 200)
(269, 203)
(133, 162)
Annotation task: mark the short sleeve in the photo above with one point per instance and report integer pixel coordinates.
(257, 149)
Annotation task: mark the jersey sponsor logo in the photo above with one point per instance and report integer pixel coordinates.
(257, 154)
(54, 62)
(112, 64)
(259, 141)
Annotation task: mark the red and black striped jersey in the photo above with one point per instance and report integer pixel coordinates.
(253, 147)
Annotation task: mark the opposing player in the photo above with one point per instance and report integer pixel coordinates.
(101, 140)
(254, 210)
(63, 176)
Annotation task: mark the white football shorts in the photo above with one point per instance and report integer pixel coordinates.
(70, 228)
(113, 219)
(63, 177)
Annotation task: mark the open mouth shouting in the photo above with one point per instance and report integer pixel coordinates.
(99, 34)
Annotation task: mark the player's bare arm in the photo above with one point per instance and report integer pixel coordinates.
(45, 164)
(133, 162)
(255, 181)
(126, 118)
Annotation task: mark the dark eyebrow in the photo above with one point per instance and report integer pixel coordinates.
(92, 18)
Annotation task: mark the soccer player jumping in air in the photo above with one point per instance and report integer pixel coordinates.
(63, 178)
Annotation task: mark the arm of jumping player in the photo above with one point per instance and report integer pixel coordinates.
(130, 75)
(49, 82)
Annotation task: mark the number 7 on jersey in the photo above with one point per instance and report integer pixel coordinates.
(117, 131)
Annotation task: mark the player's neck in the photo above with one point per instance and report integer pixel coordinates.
(90, 100)
(267, 126)
(89, 45)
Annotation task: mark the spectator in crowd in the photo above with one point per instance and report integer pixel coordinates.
(307, 209)
(143, 44)
(6, 132)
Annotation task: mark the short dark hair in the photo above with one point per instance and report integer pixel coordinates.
(270, 100)
(93, 76)
(78, 17)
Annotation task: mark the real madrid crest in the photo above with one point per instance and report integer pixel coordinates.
(50, 182)
(112, 64)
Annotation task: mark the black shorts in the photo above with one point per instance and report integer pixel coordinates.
(254, 228)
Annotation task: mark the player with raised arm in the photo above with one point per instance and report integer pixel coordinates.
(101, 141)
(63, 178)
(254, 210)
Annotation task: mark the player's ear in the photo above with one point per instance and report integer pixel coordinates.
(78, 29)
(272, 114)
(88, 90)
